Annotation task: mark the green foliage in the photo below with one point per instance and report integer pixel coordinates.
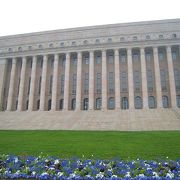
(92, 144)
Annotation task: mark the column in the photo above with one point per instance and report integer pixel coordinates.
(22, 83)
(157, 78)
(91, 80)
(3, 72)
(144, 79)
(66, 82)
(55, 82)
(11, 85)
(171, 77)
(43, 83)
(32, 85)
(117, 79)
(130, 79)
(104, 81)
(78, 86)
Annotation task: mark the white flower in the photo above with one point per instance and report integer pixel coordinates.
(114, 176)
(17, 172)
(56, 161)
(72, 175)
(34, 173)
(170, 175)
(127, 174)
(141, 175)
(44, 173)
(60, 174)
(100, 175)
(155, 174)
(16, 160)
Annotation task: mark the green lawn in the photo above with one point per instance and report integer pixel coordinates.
(105, 145)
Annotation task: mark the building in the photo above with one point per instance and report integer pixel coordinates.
(109, 67)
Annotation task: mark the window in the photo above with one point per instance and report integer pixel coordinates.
(51, 45)
(62, 84)
(177, 79)
(52, 63)
(148, 37)
(62, 44)
(38, 104)
(122, 38)
(85, 104)
(29, 85)
(124, 103)
(123, 57)
(50, 84)
(137, 83)
(85, 42)
(74, 84)
(73, 104)
(86, 83)
(161, 55)
(40, 46)
(174, 36)
(63, 62)
(174, 55)
(151, 102)
(109, 40)
(135, 56)
(74, 43)
(18, 86)
(49, 104)
(165, 102)
(163, 80)
(111, 103)
(111, 82)
(61, 103)
(86, 60)
(148, 56)
(178, 100)
(110, 59)
(134, 38)
(97, 41)
(19, 48)
(149, 80)
(98, 82)
(160, 36)
(74, 61)
(98, 59)
(138, 102)
(98, 103)
(124, 83)
(39, 89)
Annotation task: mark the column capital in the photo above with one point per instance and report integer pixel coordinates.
(142, 50)
(168, 49)
(103, 52)
(129, 51)
(79, 54)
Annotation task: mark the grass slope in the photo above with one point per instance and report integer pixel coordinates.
(106, 145)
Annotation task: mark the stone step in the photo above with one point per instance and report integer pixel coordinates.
(123, 120)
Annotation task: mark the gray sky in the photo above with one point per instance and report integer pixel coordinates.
(24, 16)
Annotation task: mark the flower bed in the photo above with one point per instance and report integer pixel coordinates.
(42, 167)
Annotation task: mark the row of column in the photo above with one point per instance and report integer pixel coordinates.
(91, 80)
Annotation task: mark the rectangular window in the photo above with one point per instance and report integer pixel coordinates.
(86, 83)
(163, 80)
(98, 59)
(50, 84)
(62, 84)
(174, 55)
(123, 58)
(135, 56)
(161, 56)
(110, 59)
(177, 79)
(124, 83)
(111, 82)
(137, 83)
(39, 85)
(148, 56)
(74, 84)
(29, 84)
(74, 61)
(86, 60)
(98, 82)
(149, 80)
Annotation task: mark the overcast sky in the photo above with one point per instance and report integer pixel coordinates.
(24, 16)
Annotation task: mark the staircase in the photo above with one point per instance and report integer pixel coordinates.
(123, 120)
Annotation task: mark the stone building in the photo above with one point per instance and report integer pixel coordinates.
(109, 67)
